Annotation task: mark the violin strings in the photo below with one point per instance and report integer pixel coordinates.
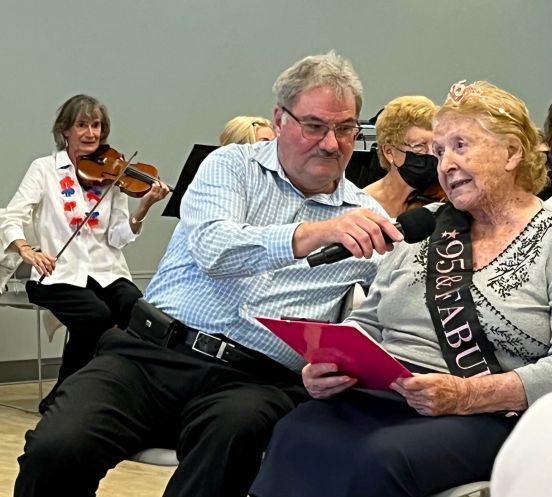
(137, 174)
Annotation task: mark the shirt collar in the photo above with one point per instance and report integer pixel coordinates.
(266, 155)
(62, 159)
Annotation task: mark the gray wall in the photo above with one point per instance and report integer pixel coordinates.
(172, 72)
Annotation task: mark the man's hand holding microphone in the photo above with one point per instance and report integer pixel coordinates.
(358, 233)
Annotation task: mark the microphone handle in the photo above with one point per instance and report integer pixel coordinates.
(337, 252)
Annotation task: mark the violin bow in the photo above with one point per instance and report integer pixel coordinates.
(87, 217)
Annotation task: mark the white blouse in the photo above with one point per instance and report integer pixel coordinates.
(50, 198)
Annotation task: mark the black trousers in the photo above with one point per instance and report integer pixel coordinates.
(134, 395)
(87, 313)
(359, 445)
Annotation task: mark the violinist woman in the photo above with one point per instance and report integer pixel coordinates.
(88, 288)
(404, 136)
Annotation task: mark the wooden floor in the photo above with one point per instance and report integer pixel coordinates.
(128, 479)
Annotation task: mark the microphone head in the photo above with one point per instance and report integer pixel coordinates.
(417, 224)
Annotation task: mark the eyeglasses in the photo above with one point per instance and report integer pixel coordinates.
(417, 148)
(318, 131)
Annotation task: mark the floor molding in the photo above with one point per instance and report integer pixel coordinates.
(26, 370)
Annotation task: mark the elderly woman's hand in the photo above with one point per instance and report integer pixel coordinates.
(435, 394)
(321, 380)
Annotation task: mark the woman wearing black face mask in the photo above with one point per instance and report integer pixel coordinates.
(404, 137)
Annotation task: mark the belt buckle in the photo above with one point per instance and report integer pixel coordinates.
(220, 351)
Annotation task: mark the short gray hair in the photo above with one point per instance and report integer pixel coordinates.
(315, 71)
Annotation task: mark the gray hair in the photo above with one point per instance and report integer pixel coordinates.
(79, 106)
(315, 71)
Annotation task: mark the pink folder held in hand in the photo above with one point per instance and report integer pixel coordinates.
(347, 345)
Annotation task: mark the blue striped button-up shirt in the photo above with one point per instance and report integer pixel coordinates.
(230, 258)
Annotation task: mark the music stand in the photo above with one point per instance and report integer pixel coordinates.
(189, 170)
(364, 168)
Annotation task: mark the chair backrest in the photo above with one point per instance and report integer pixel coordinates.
(475, 489)
(8, 265)
(23, 271)
(16, 283)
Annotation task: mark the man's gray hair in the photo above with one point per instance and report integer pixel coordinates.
(315, 71)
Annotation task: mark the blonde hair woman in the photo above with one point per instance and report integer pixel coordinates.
(404, 136)
(247, 129)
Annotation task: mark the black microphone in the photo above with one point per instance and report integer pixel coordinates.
(415, 225)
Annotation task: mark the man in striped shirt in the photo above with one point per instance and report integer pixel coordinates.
(248, 220)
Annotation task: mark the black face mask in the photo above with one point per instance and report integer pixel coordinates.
(419, 171)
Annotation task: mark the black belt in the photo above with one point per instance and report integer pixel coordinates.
(149, 323)
(209, 345)
(218, 347)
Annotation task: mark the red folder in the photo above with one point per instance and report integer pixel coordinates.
(347, 345)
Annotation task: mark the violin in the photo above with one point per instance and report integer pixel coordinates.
(105, 165)
(419, 198)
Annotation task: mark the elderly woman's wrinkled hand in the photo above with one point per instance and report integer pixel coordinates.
(322, 380)
(434, 394)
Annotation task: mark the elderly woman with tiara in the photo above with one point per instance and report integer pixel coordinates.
(467, 311)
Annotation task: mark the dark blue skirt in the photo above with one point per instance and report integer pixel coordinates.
(360, 445)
